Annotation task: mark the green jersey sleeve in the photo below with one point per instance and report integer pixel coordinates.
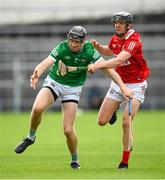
(95, 56)
(92, 54)
(55, 53)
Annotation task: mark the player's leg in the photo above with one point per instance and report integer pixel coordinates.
(139, 96)
(114, 117)
(106, 111)
(69, 110)
(128, 132)
(43, 100)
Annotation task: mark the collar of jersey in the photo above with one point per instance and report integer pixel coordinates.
(129, 33)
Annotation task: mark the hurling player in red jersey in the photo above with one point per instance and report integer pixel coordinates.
(128, 60)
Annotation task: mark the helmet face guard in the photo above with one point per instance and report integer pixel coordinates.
(122, 16)
(77, 33)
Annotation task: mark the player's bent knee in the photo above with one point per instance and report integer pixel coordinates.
(101, 123)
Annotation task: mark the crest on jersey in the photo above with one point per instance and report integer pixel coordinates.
(80, 60)
(67, 57)
(83, 60)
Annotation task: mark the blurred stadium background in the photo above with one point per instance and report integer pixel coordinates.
(30, 29)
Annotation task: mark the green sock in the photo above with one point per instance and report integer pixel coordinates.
(31, 134)
(74, 157)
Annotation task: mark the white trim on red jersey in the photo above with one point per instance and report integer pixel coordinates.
(131, 46)
(129, 33)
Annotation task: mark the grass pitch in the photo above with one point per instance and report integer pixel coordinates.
(100, 148)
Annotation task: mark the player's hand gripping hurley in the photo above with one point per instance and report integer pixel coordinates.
(64, 69)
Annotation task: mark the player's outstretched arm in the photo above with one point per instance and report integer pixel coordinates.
(38, 71)
(111, 63)
(105, 50)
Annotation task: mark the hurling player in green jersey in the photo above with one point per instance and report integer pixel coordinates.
(75, 51)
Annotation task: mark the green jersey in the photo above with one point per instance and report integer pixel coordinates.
(83, 58)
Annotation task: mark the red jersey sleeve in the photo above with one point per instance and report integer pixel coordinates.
(132, 47)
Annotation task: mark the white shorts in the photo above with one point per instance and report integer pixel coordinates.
(139, 89)
(64, 92)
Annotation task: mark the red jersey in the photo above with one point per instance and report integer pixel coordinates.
(135, 69)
